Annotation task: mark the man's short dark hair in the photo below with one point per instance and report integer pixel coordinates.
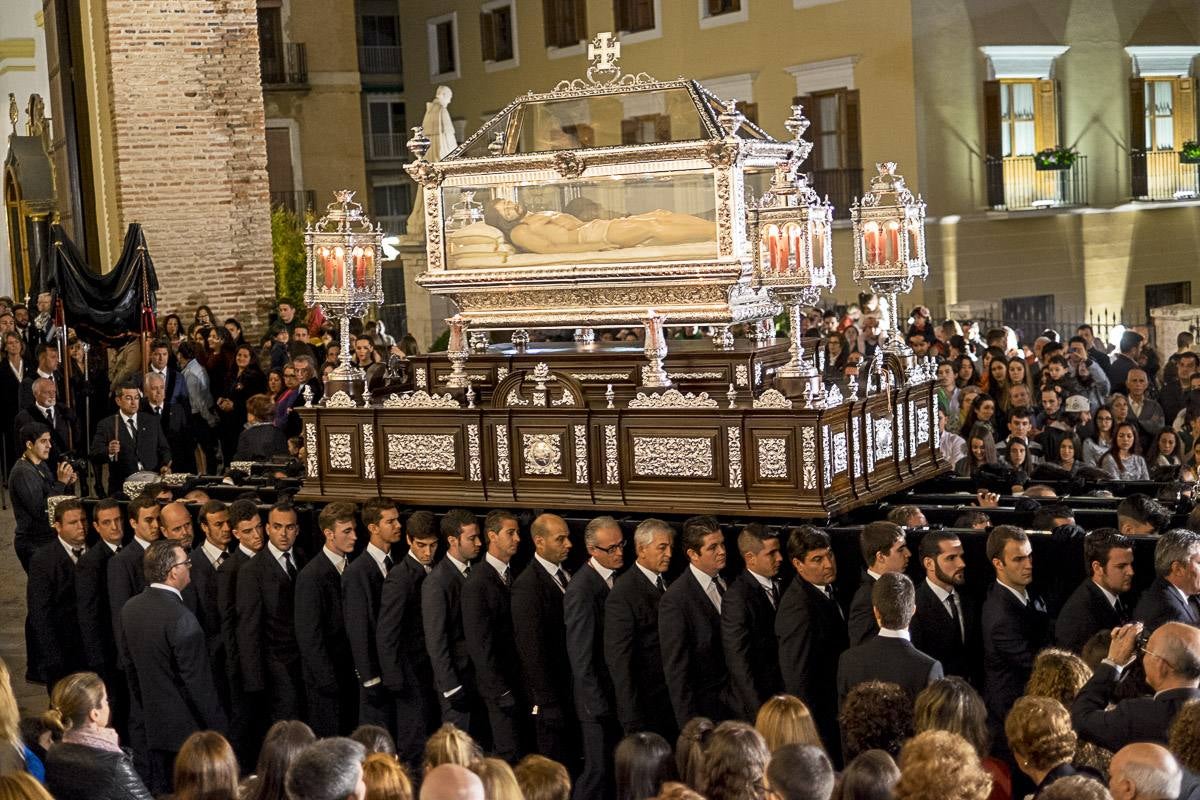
(186, 351)
(1000, 536)
(420, 525)
(1020, 412)
(372, 510)
(283, 507)
(895, 598)
(1078, 339)
(878, 537)
(1099, 544)
(326, 770)
(32, 431)
(160, 557)
(805, 539)
(1130, 340)
(454, 521)
(1144, 510)
(969, 519)
(495, 518)
(334, 513)
(74, 504)
(753, 536)
(931, 543)
(800, 772)
(142, 501)
(104, 505)
(160, 344)
(242, 510)
(42, 348)
(1043, 518)
(211, 507)
(1193, 357)
(694, 531)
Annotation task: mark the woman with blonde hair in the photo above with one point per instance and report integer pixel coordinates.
(1057, 674)
(1041, 739)
(385, 778)
(22, 786)
(450, 745)
(951, 704)
(784, 719)
(206, 768)
(88, 763)
(14, 755)
(939, 765)
(499, 780)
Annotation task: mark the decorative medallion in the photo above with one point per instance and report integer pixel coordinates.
(421, 452)
(543, 453)
(310, 445)
(741, 375)
(421, 399)
(503, 470)
(340, 455)
(339, 399)
(772, 458)
(419, 378)
(808, 456)
(841, 456)
(473, 461)
(368, 449)
(501, 373)
(567, 399)
(612, 468)
(883, 439)
(581, 454)
(672, 457)
(672, 398)
(773, 399)
(733, 436)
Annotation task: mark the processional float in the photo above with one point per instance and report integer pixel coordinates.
(619, 202)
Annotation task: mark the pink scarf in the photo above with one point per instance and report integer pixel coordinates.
(99, 738)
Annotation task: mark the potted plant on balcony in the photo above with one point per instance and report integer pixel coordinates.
(1056, 158)
(1189, 152)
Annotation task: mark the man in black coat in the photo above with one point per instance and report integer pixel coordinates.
(583, 616)
(95, 618)
(61, 420)
(30, 484)
(260, 440)
(168, 662)
(245, 723)
(1171, 659)
(889, 655)
(541, 637)
(1015, 623)
(946, 625)
(400, 635)
(207, 558)
(47, 358)
(491, 642)
(811, 629)
(129, 441)
(884, 550)
(175, 419)
(442, 618)
(328, 666)
(631, 643)
(748, 622)
(689, 627)
(267, 649)
(362, 583)
(56, 649)
(1096, 605)
(1174, 596)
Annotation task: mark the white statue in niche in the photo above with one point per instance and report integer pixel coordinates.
(440, 129)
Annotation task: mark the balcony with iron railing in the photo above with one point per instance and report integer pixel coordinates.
(387, 145)
(297, 202)
(285, 67)
(1160, 175)
(379, 59)
(1015, 183)
(841, 186)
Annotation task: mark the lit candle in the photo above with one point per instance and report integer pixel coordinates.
(797, 248)
(872, 253)
(893, 241)
(818, 247)
(360, 267)
(339, 266)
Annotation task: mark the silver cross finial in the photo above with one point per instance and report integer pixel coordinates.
(604, 52)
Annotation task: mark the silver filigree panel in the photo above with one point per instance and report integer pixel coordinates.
(368, 447)
(421, 452)
(772, 458)
(672, 456)
(310, 445)
(734, 438)
(924, 418)
(340, 454)
(474, 464)
(883, 439)
(612, 468)
(542, 453)
(901, 416)
(808, 457)
(741, 375)
(581, 454)
(827, 461)
(501, 373)
(503, 466)
(856, 440)
(840, 454)
(419, 378)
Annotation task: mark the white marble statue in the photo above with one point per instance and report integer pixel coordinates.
(440, 129)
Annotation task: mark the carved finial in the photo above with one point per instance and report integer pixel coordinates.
(14, 113)
(496, 146)
(419, 144)
(732, 396)
(610, 395)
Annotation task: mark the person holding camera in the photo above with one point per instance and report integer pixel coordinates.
(30, 483)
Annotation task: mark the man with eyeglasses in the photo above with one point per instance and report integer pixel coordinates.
(1171, 659)
(164, 648)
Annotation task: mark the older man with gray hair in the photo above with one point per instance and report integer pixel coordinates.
(1144, 771)
(174, 418)
(1173, 596)
(330, 769)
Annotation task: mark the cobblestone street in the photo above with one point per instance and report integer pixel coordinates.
(31, 697)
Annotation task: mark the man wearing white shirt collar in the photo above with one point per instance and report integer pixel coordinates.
(214, 521)
(884, 549)
(52, 623)
(748, 621)
(1096, 603)
(945, 625)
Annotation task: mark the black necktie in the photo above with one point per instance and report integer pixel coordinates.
(662, 587)
(50, 417)
(117, 549)
(506, 576)
(387, 563)
(288, 565)
(1121, 611)
(467, 571)
(561, 577)
(773, 593)
(221, 559)
(76, 552)
(953, 600)
(720, 584)
(132, 430)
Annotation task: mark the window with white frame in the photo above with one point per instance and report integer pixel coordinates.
(442, 35)
(723, 12)
(498, 34)
(391, 201)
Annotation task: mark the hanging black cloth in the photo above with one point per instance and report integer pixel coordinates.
(111, 308)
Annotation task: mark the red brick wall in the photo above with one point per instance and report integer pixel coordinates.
(190, 149)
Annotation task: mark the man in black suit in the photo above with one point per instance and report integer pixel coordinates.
(748, 622)
(1174, 596)
(129, 441)
(48, 359)
(583, 616)
(45, 408)
(884, 550)
(1096, 605)
(175, 419)
(55, 649)
(400, 635)
(168, 662)
(689, 627)
(325, 658)
(91, 593)
(362, 583)
(811, 629)
(167, 368)
(30, 484)
(889, 655)
(541, 636)
(631, 643)
(267, 647)
(1171, 659)
(245, 526)
(1015, 623)
(946, 625)
(260, 440)
(442, 618)
(491, 641)
(206, 560)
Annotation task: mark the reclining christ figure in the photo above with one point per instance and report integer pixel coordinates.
(558, 232)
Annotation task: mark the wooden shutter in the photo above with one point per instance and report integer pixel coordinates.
(1139, 185)
(487, 35)
(623, 14)
(579, 16)
(808, 104)
(1185, 111)
(1045, 114)
(993, 140)
(851, 136)
(629, 131)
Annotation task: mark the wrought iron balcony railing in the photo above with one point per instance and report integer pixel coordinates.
(1159, 175)
(379, 59)
(1016, 184)
(285, 66)
(841, 186)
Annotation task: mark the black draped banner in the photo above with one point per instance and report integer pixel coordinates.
(110, 308)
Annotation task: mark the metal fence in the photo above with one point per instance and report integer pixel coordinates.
(1106, 323)
(1160, 175)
